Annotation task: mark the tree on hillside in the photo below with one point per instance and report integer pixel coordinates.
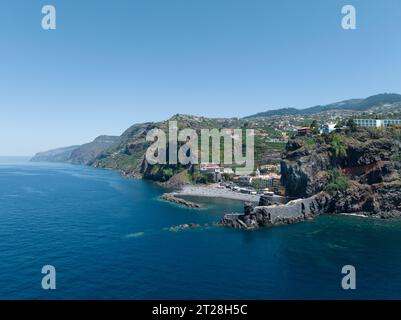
(338, 147)
(351, 124)
(315, 127)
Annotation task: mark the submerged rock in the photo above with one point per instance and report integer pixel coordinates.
(184, 226)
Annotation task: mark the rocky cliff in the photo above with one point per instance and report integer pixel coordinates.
(359, 170)
(81, 154)
(350, 171)
(88, 152)
(54, 155)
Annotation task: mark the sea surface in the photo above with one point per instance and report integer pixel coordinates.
(108, 238)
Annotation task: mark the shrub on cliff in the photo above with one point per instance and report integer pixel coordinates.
(337, 182)
(310, 143)
(198, 177)
(351, 125)
(167, 173)
(338, 148)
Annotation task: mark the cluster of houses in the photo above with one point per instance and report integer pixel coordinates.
(216, 170)
(324, 128)
(268, 182)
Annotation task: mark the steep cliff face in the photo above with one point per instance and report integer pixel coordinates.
(127, 152)
(81, 154)
(359, 170)
(54, 155)
(87, 153)
(303, 169)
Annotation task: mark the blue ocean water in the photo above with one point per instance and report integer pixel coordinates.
(108, 238)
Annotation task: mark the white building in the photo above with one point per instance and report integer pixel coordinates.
(376, 123)
(391, 122)
(229, 171)
(328, 127)
(211, 167)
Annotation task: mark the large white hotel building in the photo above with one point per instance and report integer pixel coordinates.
(377, 123)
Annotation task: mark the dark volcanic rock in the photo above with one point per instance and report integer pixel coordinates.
(265, 201)
(172, 198)
(185, 226)
(383, 200)
(248, 208)
(368, 164)
(267, 216)
(304, 175)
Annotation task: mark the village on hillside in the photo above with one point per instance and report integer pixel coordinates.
(266, 179)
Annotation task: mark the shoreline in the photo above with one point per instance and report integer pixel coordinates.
(212, 191)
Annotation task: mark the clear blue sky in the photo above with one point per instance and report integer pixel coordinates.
(111, 64)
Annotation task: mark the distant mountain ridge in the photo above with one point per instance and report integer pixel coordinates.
(352, 104)
(79, 154)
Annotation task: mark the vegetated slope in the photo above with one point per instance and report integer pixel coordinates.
(127, 154)
(88, 152)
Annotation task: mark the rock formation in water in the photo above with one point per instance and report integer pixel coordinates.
(274, 215)
(170, 197)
